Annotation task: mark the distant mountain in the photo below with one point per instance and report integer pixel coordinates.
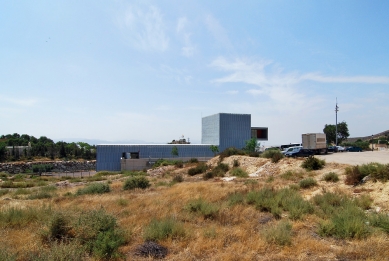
(367, 138)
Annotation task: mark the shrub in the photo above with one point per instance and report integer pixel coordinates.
(329, 203)
(268, 154)
(200, 168)
(380, 220)
(98, 231)
(230, 152)
(206, 209)
(179, 164)
(238, 172)
(95, 188)
(291, 201)
(235, 198)
(289, 175)
(277, 157)
(193, 160)
(39, 168)
(4, 192)
(58, 230)
(376, 171)
(106, 245)
(131, 173)
(208, 175)
(236, 163)
(347, 223)
(280, 234)
(15, 217)
(60, 251)
(178, 178)
(312, 163)
(164, 228)
(6, 254)
(331, 177)
(223, 167)
(364, 202)
(40, 195)
(274, 201)
(353, 175)
(307, 183)
(136, 182)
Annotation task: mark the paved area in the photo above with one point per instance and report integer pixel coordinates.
(357, 158)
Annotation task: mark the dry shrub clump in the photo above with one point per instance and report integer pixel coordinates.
(331, 177)
(313, 163)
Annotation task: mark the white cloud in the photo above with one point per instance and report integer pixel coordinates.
(188, 49)
(145, 28)
(342, 79)
(217, 31)
(233, 92)
(19, 102)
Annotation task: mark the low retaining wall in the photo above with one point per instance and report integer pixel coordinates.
(58, 166)
(146, 163)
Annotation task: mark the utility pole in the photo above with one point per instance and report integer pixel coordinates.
(336, 122)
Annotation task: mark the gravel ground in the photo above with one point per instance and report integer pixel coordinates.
(357, 158)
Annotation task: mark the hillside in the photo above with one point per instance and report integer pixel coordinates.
(270, 215)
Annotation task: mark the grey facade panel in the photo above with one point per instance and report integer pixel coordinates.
(108, 156)
(235, 130)
(210, 130)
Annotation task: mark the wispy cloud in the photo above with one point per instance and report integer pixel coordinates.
(218, 32)
(145, 28)
(343, 79)
(188, 49)
(19, 101)
(179, 75)
(234, 92)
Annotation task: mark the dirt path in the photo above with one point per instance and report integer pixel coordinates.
(357, 158)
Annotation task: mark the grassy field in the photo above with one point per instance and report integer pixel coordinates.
(284, 213)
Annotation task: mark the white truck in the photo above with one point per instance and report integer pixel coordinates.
(316, 142)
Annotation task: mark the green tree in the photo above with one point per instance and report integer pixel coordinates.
(251, 145)
(175, 151)
(214, 149)
(3, 151)
(330, 131)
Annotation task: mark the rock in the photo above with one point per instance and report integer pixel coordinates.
(365, 179)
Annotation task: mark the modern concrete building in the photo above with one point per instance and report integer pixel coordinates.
(223, 130)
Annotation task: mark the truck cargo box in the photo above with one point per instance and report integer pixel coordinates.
(314, 141)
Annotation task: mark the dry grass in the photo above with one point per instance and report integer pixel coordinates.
(236, 232)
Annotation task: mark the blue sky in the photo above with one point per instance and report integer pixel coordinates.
(148, 71)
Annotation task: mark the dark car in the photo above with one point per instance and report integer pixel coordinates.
(354, 149)
(301, 153)
(332, 149)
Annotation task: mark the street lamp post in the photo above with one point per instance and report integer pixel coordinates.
(336, 122)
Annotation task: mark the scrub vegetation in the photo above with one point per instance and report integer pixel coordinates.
(131, 215)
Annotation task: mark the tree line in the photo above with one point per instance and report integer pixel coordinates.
(42, 147)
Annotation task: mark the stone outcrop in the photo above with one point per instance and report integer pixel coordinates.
(58, 166)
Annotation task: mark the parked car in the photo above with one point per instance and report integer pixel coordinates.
(340, 149)
(291, 150)
(300, 152)
(354, 149)
(332, 149)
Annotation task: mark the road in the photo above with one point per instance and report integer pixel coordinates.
(357, 158)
